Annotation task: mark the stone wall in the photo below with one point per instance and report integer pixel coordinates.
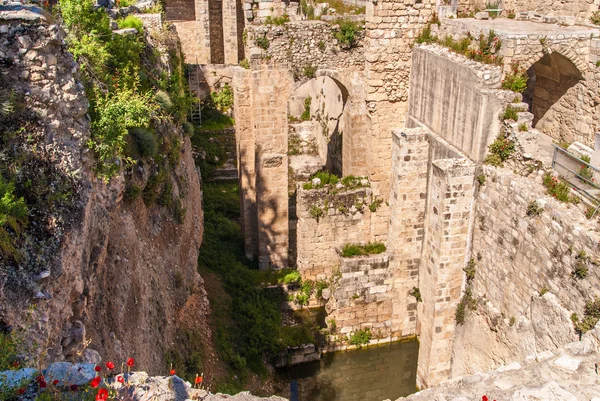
(258, 10)
(519, 258)
(362, 297)
(346, 219)
(260, 97)
(304, 43)
(455, 98)
(581, 9)
(518, 255)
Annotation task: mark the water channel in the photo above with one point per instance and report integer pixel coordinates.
(368, 374)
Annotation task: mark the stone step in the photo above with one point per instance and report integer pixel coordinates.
(525, 118)
(520, 106)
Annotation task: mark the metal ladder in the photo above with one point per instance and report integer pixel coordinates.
(196, 107)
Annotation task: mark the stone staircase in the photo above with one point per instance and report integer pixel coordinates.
(527, 140)
(180, 10)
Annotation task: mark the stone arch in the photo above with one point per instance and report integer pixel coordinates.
(550, 78)
(323, 130)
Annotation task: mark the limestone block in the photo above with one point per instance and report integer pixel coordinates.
(482, 15)
(568, 362)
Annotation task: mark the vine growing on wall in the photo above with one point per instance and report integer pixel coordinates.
(467, 301)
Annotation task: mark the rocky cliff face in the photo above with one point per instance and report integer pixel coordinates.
(94, 267)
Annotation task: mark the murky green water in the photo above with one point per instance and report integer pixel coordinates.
(369, 374)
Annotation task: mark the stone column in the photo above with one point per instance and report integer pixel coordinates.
(410, 154)
(450, 203)
(245, 143)
(271, 89)
(230, 36)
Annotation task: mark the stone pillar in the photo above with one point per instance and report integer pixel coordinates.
(595, 159)
(450, 203)
(271, 89)
(230, 35)
(245, 143)
(261, 97)
(202, 31)
(410, 154)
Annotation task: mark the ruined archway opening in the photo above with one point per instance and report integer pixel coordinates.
(549, 79)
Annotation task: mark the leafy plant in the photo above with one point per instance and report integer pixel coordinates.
(558, 189)
(244, 63)
(114, 114)
(277, 20)
(347, 33)
(416, 292)
(131, 22)
(309, 71)
(373, 206)
(523, 128)
(371, 248)
(512, 321)
(595, 18)
(534, 209)
(13, 217)
(585, 171)
(481, 178)
(581, 269)
(591, 315)
(510, 113)
(223, 99)
(262, 42)
(306, 113)
(500, 150)
(360, 337)
(163, 99)
(543, 291)
(516, 79)
(292, 277)
(316, 212)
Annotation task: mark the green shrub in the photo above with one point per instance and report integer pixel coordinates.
(516, 79)
(223, 99)
(145, 142)
(13, 217)
(132, 192)
(581, 269)
(470, 271)
(292, 277)
(371, 248)
(316, 212)
(512, 321)
(245, 64)
(306, 113)
(277, 20)
(510, 113)
(585, 171)
(591, 315)
(307, 9)
(481, 178)
(523, 128)
(131, 22)
(188, 128)
(543, 291)
(360, 337)
(9, 355)
(534, 209)
(262, 42)
(595, 18)
(163, 99)
(309, 71)
(347, 33)
(500, 150)
(373, 206)
(426, 36)
(416, 292)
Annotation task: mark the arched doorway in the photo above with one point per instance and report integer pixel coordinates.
(550, 78)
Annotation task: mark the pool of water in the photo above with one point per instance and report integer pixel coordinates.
(368, 374)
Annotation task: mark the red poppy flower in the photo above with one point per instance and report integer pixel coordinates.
(110, 365)
(484, 398)
(39, 378)
(43, 383)
(130, 362)
(55, 382)
(172, 372)
(97, 368)
(198, 379)
(21, 391)
(120, 379)
(102, 394)
(95, 381)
